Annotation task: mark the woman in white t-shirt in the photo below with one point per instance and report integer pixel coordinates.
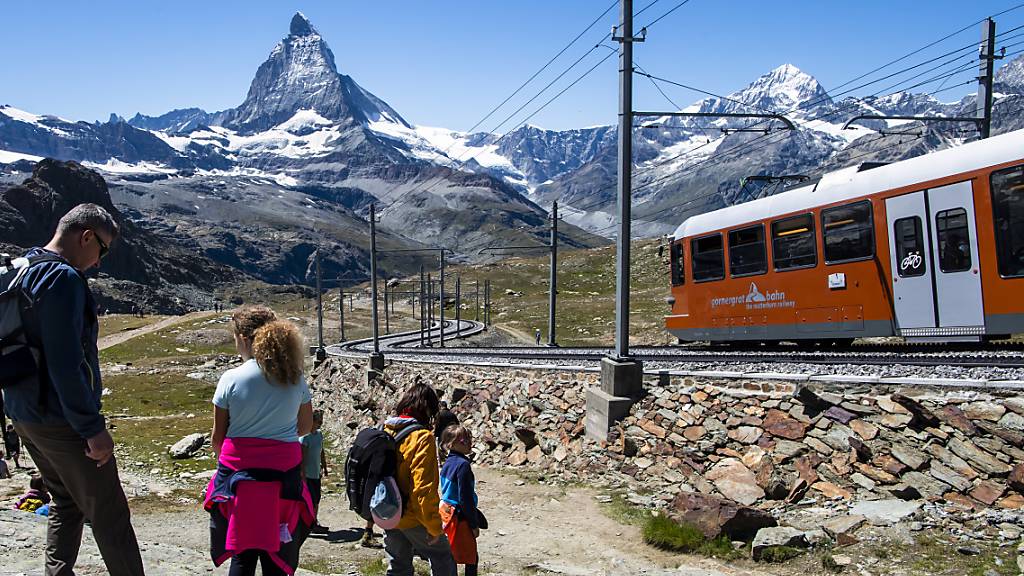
(259, 504)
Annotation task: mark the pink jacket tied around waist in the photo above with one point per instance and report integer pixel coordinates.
(256, 517)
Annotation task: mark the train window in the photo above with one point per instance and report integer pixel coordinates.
(954, 240)
(848, 232)
(676, 257)
(909, 247)
(1008, 212)
(793, 243)
(708, 263)
(746, 251)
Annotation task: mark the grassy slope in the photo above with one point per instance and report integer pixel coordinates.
(586, 294)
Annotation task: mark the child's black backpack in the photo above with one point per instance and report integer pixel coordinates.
(372, 457)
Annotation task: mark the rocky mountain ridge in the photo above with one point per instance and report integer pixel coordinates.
(305, 125)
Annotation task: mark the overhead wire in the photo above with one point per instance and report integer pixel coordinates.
(805, 121)
(396, 202)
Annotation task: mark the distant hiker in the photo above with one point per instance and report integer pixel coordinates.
(536, 336)
(260, 508)
(57, 411)
(36, 497)
(12, 444)
(458, 498)
(314, 463)
(419, 531)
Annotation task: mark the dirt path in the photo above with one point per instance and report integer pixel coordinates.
(118, 338)
(535, 529)
(518, 335)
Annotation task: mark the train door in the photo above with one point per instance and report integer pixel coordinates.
(912, 282)
(934, 255)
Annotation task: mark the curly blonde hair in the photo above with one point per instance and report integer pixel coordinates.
(277, 347)
(249, 318)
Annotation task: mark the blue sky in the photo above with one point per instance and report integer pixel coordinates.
(446, 62)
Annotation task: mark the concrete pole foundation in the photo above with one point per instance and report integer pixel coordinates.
(621, 386)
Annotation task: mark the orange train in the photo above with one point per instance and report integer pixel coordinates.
(928, 249)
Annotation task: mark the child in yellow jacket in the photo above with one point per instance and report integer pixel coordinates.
(419, 531)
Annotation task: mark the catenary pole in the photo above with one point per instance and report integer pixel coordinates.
(440, 305)
(625, 180)
(553, 282)
(320, 352)
(988, 58)
(373, 279)
(341, 312)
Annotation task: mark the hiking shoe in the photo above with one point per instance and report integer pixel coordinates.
(320, 529)
(367, 541)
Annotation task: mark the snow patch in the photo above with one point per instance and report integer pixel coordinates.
(8, 157)
(115, 166)
(303, 120)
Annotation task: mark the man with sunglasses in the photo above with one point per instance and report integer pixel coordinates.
(57, 413)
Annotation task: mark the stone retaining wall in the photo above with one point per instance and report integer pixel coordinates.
(756, 443)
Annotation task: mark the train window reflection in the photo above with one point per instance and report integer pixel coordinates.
(793, 243)
(1008, 212)
(954, 240)
(746, 251)
(676, 254)
(848, 232)
(910, 257)
(708, 263)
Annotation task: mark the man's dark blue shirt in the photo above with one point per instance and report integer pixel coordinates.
(64, 324)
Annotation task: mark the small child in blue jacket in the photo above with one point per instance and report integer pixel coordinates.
(458, 498)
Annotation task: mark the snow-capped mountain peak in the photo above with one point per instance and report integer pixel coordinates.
(783, 89)
(301, 26)
(301, 74)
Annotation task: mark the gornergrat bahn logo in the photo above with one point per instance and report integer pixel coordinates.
(754, 299)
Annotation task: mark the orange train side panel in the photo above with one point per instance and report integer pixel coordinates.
(798, 296)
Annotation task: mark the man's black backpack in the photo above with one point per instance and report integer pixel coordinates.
(21, 360)
(372, 457)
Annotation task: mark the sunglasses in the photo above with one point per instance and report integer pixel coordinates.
(103, 245)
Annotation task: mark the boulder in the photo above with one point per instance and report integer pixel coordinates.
(735, 481)
(1012, 420)
(778, 423)
(787, 450)
(716, 516)
(1016, 479)
(926, 485)
(846, 524)
(830, 490)
(862, 450)
(887, 404)
(777, 536)
(987, 491)
(949, 476)
(840, 415)
(188, 446)
(983, 411)
(1007, 435)
(957, 419)
(921, 417)
(885, 512)
(745, 434)
(914, 459)
(978, 458)
(865, 430)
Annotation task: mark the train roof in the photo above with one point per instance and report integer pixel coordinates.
(850, 183)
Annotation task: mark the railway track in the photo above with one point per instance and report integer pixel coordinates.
(407, 345)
